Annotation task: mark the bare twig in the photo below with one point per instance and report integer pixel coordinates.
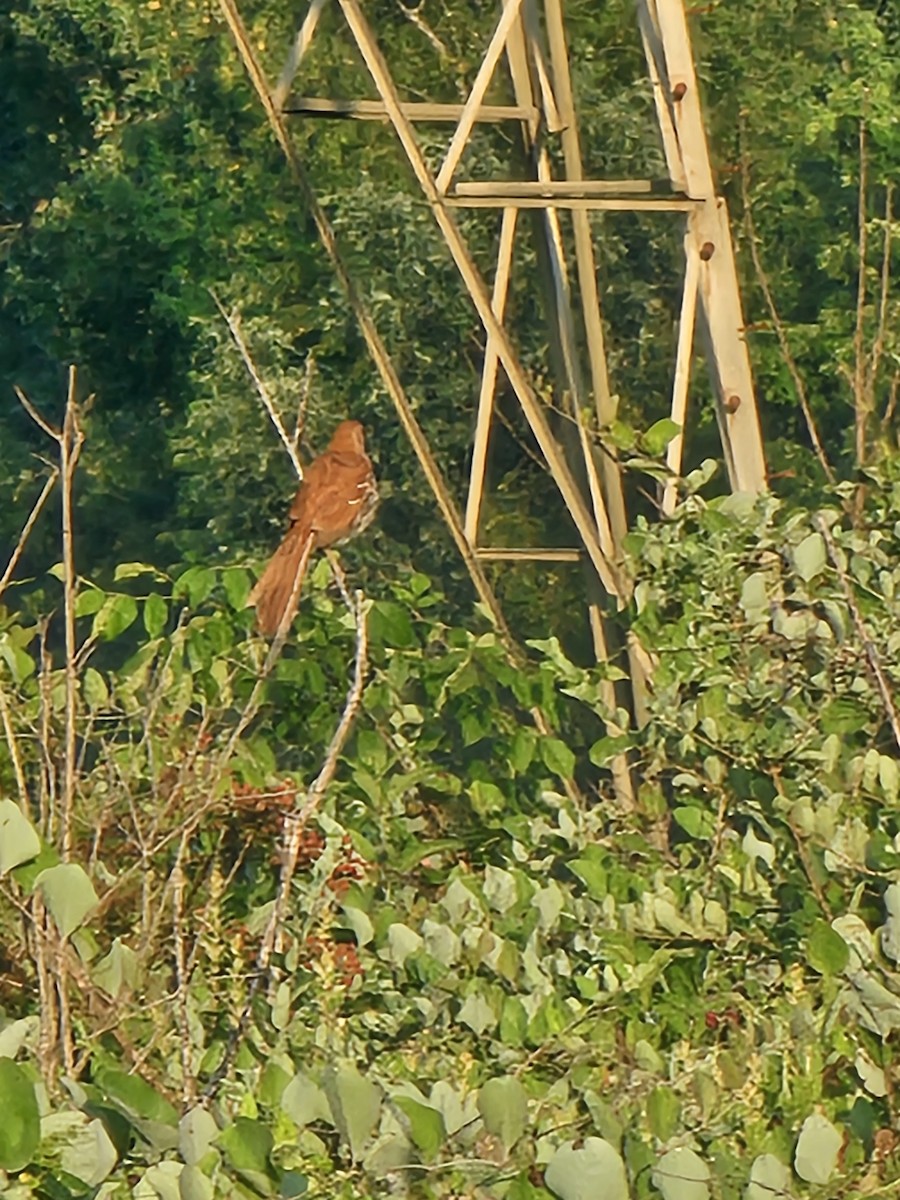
(298, 50)
(296, 822)
(234, 326)
(883, 295)
(860, 405)
(777, 323)
(27, 528)
(255, 698)
(14, 753)
(35, 415)
(303, 402)
(188, 1082)
(49, 1033)
(48, 770)
(69, 439)
(291, 444)
(891, 406)
(414, 16)
(872, 656)
(66, 1033)
(295, 825)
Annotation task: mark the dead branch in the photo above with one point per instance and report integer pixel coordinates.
(860, 407)
(871, 652)
(883, 295)
(296, 823)
(891, 406)
(36, 509)
(233, 321)
(12, 743)
(415, 18)
(182, 977)
(298, 50)
(69, 439)
(777, 323)
(303, 400)
(278, 642)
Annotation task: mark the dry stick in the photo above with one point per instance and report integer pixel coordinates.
(27, 528)
(872, 655)
(297, 820)
(13, 743)
(777, 323)
(860, 407)
(255, 698)
(294, 829)
(48, 773)
(891, 406)
(412, 15)
(384, 364)
(175, 643)
(188, 1082)
(883, 294)
(49, 1034)
(290, 444)
(303, 401)
(70, 443)
(274, 416)
(69, 439)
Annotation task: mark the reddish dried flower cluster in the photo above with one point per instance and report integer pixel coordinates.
(311, 846)
(352, 868)
(263, 812)
(729, 1017)
(344, 955)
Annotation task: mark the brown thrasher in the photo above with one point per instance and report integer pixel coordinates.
(335, 501)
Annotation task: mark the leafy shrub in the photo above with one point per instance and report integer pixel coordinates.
(485, 979)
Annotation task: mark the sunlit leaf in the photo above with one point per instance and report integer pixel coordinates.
(355, 1105)
(426, 1126)
(818, 1148)
(197, 1131)
(770, 1179)
(503, 1105)
(156, 613)
(681, 1174)
(810, 557)
(118, 969)
(826, 950)
(657, 437)
(116, 615)
(68, 894)
(587, 1172)
(305, 1102)
(19, 841)
(247, 1145)
(89, 1154)
(20, 1129)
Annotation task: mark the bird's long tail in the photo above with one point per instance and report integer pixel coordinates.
(278, 590)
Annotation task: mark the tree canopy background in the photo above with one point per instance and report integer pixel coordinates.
(491, 981)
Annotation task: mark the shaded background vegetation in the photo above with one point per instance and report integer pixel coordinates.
(492, 981)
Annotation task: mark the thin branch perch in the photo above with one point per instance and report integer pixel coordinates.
(777, 323)
(872, 656)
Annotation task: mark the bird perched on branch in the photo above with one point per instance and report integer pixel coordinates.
(335, 501)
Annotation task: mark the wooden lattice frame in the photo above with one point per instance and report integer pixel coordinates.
(537, 60)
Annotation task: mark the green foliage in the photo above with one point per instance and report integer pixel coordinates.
(482, 983)
(20, 1133)
(490, 979)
